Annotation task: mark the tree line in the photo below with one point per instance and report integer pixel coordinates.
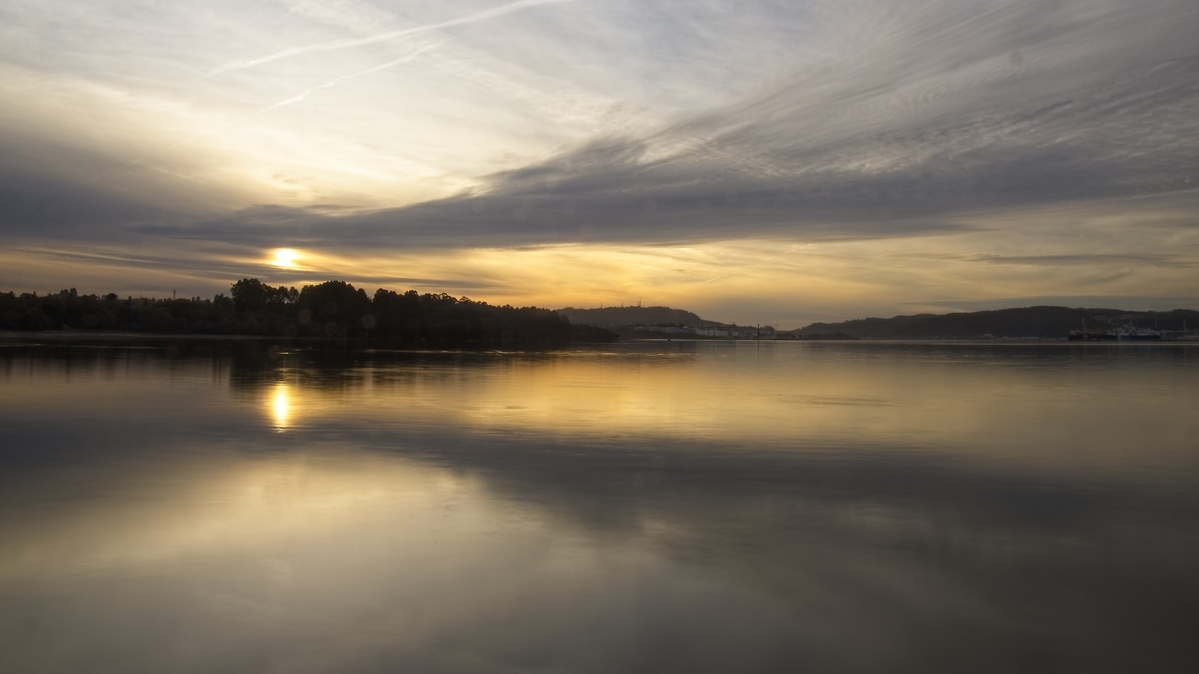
(333, 310)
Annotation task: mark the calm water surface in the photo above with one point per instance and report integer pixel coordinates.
(644, 507)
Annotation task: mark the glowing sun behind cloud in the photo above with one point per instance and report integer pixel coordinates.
(286, 258)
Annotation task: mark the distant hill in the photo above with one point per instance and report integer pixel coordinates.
(1039, 322)
(631, 316)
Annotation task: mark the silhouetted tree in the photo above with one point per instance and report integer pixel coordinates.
(334, 308)
(250, 294)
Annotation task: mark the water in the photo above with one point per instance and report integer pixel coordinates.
(643, 507)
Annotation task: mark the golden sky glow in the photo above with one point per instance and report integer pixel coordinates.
(285, 258)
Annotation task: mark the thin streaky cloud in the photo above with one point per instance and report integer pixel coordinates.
(381, 37)
(1165, 260)
(287, 101)
(333, 82)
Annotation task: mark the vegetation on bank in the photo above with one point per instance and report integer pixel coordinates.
(635, 315)
(337, 310)
(330, 310)
(1044, 322)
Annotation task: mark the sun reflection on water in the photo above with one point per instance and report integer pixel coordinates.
(280, 406)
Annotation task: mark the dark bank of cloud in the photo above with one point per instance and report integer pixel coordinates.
(42, 206)
(1164, 260)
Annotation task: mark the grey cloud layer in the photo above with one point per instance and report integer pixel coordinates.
(984, 108)
(909, 117)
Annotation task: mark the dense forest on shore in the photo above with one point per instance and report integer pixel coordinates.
(331, 310)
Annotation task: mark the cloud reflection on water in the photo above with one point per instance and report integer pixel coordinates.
(416, 516)
(764, 397)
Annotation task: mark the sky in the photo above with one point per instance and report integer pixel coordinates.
(763, 161)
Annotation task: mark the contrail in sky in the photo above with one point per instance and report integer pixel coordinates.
(294, 99)
(389, 64)
(355, 42)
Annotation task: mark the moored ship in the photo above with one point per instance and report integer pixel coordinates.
(1092, 335)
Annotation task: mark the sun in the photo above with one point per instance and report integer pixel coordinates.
(285, 257)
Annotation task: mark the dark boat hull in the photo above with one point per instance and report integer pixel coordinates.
(1091, 336)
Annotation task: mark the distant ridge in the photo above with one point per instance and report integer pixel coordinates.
(1041, 322)
(632, 316)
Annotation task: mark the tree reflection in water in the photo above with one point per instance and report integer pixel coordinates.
(668, 507)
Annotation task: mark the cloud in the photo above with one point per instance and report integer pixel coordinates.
(1125, 302)
(407, 58)
(44, 206)
(1164, 260)
(380, 37)
(1171, 260)
(1019, 106)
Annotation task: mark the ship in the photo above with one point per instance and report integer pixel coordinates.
(1091, 335)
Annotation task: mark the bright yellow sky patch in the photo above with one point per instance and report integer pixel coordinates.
(285, 257)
